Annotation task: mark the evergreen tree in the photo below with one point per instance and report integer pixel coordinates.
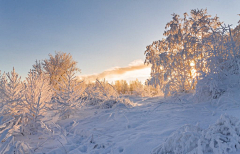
(12, 92)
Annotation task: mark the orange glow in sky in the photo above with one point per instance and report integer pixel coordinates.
(135, 70)
(141, 75)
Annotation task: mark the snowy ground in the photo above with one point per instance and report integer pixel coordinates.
(136, 130)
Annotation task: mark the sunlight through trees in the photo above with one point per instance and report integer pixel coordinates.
(194, 46)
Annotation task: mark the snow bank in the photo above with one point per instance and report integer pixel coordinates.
(221, 138)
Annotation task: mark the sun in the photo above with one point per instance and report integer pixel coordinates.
(192, 63)
(193, 70)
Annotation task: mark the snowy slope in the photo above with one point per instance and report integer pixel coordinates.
(136, 130)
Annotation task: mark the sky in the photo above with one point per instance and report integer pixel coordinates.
(100, 35)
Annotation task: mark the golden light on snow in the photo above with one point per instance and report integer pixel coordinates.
(193, 71)
(192, 64)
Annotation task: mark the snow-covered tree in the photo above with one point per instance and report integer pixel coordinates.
(68, 92)
(36, 98)
(193, 46)
(38, 67)
(12, 92)
(56, 66)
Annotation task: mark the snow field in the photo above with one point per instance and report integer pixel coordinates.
(148, 125)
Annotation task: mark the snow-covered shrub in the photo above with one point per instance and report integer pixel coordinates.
(103, 95)
(111, 103)
(107, 103)
(68, 93)
(36, 98)
(224, 76)
(122, 86)
(220, 138)
(210, 87)
(105, 89)
(97, 92)
(136, 88)
(182, 141)
(144, 90)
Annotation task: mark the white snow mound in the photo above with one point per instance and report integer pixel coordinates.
(221, 138)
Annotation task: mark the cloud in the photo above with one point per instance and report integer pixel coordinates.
(133, 66)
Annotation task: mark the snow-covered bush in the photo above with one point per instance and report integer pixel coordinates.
(210, 87)
(96, 93)
(182, 141)
(103, 95)
(68, 94)
(111, 103)
(122, 87)
(136, 88)
(220, 138)
(224, 76)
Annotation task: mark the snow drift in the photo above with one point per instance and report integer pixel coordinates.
(220, 138)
